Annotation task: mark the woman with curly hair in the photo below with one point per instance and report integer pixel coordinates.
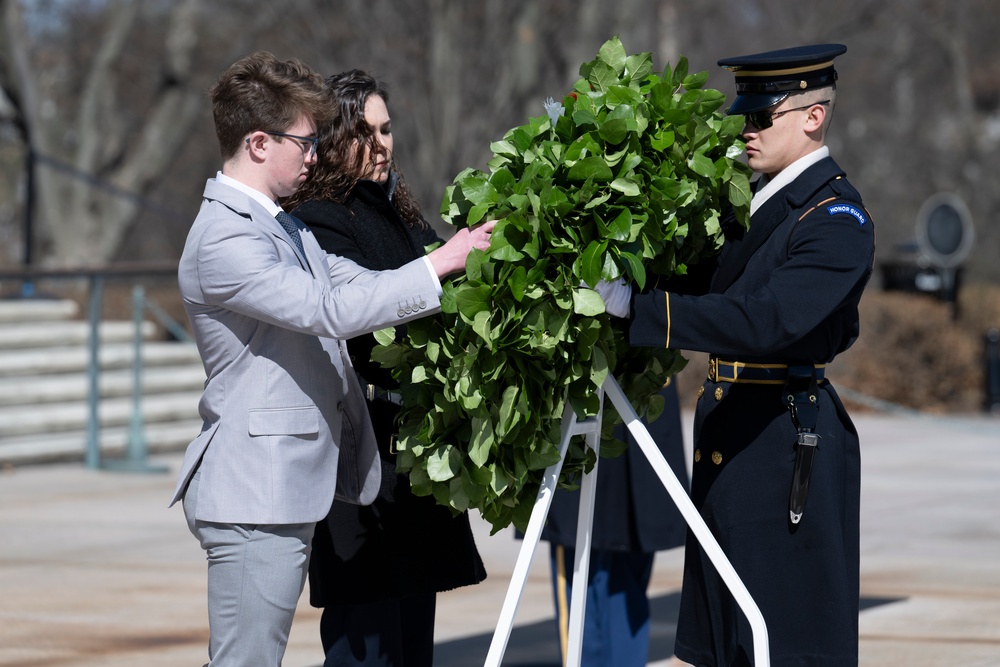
(376, 570)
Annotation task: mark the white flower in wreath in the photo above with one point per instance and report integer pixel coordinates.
(553, 109)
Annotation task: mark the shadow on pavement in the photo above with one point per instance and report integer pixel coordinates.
(536, 645)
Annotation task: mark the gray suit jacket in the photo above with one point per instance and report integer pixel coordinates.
(285, 422)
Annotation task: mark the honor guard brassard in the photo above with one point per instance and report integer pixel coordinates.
(765, 79)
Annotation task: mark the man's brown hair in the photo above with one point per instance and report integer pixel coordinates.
(260, 92)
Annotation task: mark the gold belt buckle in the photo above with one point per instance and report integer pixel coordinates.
(713, 369)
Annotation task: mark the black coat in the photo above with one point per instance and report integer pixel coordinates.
(632, 510)
(401, 544)
(785, 292)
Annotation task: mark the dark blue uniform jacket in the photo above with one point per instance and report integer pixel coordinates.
(785, 292)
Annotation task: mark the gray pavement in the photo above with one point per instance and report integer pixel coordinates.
(95, 571)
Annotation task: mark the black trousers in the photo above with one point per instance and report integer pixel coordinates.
(398, 632)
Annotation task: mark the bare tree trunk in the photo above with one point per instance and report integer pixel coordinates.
(904, 99)
(19, 86)
(668, 46)
(97, 161)
(444, 74)
(86, 226)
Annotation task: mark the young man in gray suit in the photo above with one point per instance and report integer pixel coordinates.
(285, 423)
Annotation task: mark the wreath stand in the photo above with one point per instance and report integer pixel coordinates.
(590, 428)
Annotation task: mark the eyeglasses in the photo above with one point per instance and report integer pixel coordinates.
(765, 119)
(307, 143)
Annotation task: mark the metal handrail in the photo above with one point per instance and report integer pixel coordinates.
(119, 270)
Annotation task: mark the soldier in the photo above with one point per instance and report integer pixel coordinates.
(778, 304)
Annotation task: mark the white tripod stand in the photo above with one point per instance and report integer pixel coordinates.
(591, 429)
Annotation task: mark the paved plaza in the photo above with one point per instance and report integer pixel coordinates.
(95, 571)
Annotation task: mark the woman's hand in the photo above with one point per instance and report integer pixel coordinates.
(450, 257)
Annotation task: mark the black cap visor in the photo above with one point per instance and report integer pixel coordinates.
(749, 103)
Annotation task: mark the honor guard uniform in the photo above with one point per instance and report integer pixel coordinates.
(776, 472)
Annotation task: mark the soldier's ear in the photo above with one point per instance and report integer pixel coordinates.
(815, 116)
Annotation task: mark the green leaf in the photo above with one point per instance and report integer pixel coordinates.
(389, 355)
(587, 302)
(508, 410)
(663, 140)
(517, 282)
(599, 367)
(541, 459)
(591, 261)
(502, 180)
(385, 336)
(482, 441)
(680, 72)
(478, 189)
(603, 76)
(612, 53)
(584, 117)
(639, 66)
(702, 165)
(477, 213)
(505, 253)
(695, 81)
(621, 226)
(614, 131)
(481, 325)
(738, 191)
(623, 95)
(442, 464)
(590, 168)
(626, 186)
(472, 300)
(504, 148)
(636, 269)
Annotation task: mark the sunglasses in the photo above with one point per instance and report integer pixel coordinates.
(765, 119)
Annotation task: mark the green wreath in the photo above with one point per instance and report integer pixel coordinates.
(625, 178)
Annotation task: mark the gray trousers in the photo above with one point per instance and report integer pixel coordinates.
(256, 574)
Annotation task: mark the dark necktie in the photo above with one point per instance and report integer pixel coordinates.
(287, 223)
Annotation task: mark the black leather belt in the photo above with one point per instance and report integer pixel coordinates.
(720, 370)
(375, 393)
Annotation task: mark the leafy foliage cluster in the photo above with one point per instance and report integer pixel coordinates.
(625, 179)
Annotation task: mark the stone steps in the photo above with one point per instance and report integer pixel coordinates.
(71, 446)
(61, 360)
(18, 420)
(30, 335)
(45, 384)
(61, 388)
(36, 310)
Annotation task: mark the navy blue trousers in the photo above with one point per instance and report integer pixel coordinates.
(616, 623)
